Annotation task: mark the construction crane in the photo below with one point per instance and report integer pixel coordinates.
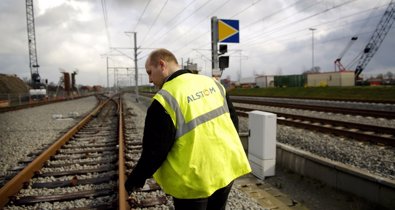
(376, 39)
(338, 65)
(31, 36)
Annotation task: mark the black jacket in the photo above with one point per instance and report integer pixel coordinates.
(159, 137)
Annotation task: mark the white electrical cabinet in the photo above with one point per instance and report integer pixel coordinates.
(262, 143)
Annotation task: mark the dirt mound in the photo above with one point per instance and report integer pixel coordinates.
(12, 84)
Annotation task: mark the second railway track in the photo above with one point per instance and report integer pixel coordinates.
(371, 133)
(321, 108)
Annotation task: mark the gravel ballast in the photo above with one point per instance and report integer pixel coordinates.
(378, 160)
(25, 131)
(28, 130)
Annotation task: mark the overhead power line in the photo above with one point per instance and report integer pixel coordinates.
(138, 21)
(300, 20)
(302, 30)
(173, 18)
(153, 23)
(240, 12)
(183, 20)
(105, 16)
(211, 14)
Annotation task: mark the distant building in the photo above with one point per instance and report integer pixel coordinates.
(264, 81)
(333, 79)
(248, 82)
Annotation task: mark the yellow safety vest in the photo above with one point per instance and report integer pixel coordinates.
(207, 153)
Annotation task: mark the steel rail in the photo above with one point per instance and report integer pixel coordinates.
(122, 194)
(16, 183)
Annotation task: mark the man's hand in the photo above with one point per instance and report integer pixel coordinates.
(133, 201)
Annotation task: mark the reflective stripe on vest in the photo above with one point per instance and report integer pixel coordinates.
(182, 127)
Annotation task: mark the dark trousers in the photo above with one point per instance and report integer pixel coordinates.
(217, 201)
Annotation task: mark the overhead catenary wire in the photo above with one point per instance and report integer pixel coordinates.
(172, 19)
(105, 16)
(204, 19)
(301, 19)
(153, 23)
(302, 30)
(234, 15)
(258, 36)
(183, 20)
(138, 21)
(251, 24)
(246, 8)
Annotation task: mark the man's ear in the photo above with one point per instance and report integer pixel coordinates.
(162, 64)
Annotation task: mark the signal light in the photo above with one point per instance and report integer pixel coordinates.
(223, 62)
(223, 48)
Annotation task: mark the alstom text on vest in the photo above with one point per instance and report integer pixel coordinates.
(201, 94)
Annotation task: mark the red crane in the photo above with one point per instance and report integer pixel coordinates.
(338, 65)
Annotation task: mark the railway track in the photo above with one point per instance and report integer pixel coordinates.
(332, 109)
(84, 169)
(363, 132)
(305, 106)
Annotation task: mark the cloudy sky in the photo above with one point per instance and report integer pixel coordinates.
(274, 36)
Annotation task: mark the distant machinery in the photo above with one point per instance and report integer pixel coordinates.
(31, 36)
(73, 84)
(376, 39)
(74, 87)
(67, 82)
(338, 65)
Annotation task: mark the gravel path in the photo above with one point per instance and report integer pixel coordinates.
(27, 130)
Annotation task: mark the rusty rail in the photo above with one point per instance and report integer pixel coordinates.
(122, 195)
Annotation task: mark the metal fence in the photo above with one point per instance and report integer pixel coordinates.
(13, 99)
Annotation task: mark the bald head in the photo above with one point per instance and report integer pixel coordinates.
(160, 64)
(161, 54)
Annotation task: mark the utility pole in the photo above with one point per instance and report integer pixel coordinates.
(214, 48)
(135, 65)
(115, 80)
(240, 66)
(108, 83)
(136, 78)
(312, 48)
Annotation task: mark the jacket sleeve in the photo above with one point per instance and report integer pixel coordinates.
(159, 137)
(233, 113)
